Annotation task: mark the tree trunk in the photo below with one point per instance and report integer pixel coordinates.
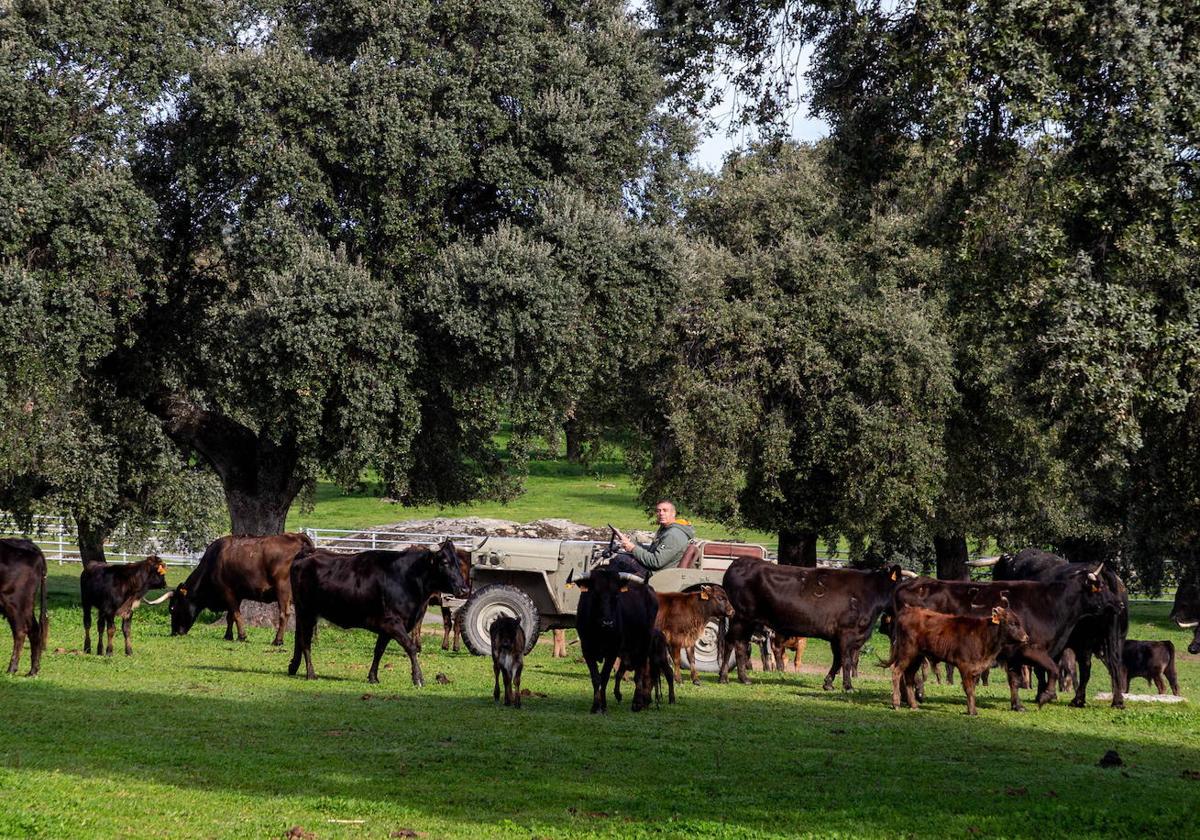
(258, 515)
(797, 548)
(951, 555)
(91, 541)
(574, 441)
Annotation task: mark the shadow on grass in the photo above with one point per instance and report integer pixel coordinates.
(768, 764)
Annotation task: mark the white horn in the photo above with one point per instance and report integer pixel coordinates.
(1187, 625)
(164, 597)
(630, 576)
(475, 548)
(908, 573)
(983, 561)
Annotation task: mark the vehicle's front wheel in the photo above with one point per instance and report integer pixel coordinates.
(706, 650)
(487, 604)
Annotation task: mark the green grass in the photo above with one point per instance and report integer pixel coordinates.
(198, 737)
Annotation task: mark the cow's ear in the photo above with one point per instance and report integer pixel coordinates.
(997, 614)
(704, 596)
(895, 575)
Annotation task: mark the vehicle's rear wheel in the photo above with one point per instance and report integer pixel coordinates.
(487, 604)
(706, 650)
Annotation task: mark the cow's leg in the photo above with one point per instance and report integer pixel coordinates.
(241, 628)
(777, 652)
(285, 607)
(620, 666)
(302, 639)
(517, 684)
(850, 651)
(836, 648)
(968, 683)
(1171, 677)
(910, 675)
(604, 674)
(507, 674)
(99, 632)
(737, 643)
(560, 644)
(229, 625)
(1014, 682)
(801, 644)
(396, 628)
(1083, 660)
(1046, 692)
(595, 675)
(110, 630)
(1159, 684)
(762, 652)
(741, 649)
(495, 680)
(381, 643)
(950, 675)
(897, 679)
(447, 627)
(691, 665)
(87, 627)
(126, 624)
(18, 635)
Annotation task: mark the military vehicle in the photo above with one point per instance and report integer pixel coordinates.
(527, 579)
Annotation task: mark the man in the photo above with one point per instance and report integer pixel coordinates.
(664, 551)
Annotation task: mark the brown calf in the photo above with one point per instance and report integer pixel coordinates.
(1151, 661)
(777, 646)
(968, 643)
(682, 617)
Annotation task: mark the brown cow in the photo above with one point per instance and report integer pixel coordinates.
(968, 643)
(773, 647)
(22, 571)
(234, 569)
(682, 617)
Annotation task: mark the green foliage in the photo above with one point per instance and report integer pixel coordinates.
(77, 258)
(813, 382)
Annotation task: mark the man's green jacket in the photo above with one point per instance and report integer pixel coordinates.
(667, 547)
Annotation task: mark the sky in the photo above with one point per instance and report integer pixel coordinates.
(712, 150)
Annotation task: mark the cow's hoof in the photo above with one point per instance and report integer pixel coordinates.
(1077, 703)
(1120, 704)
(373, 679)
(696, 681)
(243, 639)
(827, 686)
(310, 676)
(277, 643)
(1018, 708)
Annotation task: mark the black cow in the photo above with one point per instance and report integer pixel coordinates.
(1049, 611)
(116, 590)
(615, 618)
(1152, 661)
(22, 571)
(838, 605)
(235, 569)
(1186, 612)
(1102, 634)
(381, 591)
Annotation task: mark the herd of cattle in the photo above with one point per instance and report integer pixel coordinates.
(1039, 612)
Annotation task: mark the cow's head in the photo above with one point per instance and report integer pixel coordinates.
(156, 572)
(717, 601)
(184, 609)
(449, 569)
(1186, 612)
(602, 586)
(1011, 628)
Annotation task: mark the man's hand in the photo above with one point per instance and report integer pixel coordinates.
(626, 543)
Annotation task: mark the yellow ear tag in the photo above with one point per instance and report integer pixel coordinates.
(624, 588)
(893, 575)
(704, 596)
(183, 590)
(995, 619)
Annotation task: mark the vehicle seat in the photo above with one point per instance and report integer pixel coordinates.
(690, 555)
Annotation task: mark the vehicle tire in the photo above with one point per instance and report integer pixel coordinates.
(706, 650)
(487, 604)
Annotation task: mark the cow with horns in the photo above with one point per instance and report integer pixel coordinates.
(22, 573)
(235, 569)
(1101, 633)
(116, 590)
(381, 591)
(1186, 612)
(615, 619)
(838, 605)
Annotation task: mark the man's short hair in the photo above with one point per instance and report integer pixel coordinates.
(670, 502)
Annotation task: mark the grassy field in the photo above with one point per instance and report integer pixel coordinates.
(198, 737)
(595, 495)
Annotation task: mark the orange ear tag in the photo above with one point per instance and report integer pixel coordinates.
(893, 575)
(703, 596)
(624, 588)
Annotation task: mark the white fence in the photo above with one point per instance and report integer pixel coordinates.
(56, 536)
(350, 541)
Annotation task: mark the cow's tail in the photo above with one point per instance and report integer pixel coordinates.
(43, 617)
